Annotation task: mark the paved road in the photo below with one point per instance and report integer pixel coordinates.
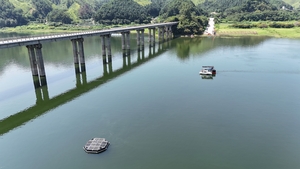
(22, 41)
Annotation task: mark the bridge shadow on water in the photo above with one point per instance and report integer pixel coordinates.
(44, 103)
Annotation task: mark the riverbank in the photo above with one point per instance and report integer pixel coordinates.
(49, 29)
(43, 28)
(224, 29)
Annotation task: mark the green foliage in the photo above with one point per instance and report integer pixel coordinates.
(192, 18)
(279, 4)
(143, 2)
(243, 25)
(59, 15)
(24, 5)
(281, 25)
(188, 16)
(155, 7)
(9, 16)
(221, 5)
(121, 12)
(262, 25)
(294, 3)
(252, 10)
(41, 8)
(197, 2)
(179, 7)
(73, 12)
(86, 11)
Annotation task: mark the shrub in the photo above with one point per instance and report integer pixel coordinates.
(243, 25)
(262, 25)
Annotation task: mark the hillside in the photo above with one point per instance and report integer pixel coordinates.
(143, 2)
(294, 3)
(222, 5)
(251, 10)
(19, 12)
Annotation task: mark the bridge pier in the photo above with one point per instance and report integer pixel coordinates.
(140, 39)
(150, 50)
(103, 49)
(126, 61)
(37, 65)
(42, 94)
(126, 43)
(81, 79)
(161, 34)
(33, 62)
(169, 32)
(107, 69)
(109, 48)
(106, 45)
(141, 54)
(154, 36)
(151, 36)
(75, 55)
(143, 38)
(81, 54)
(78, 49)
(123, 40)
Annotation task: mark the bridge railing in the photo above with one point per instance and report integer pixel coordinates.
(13, 38)
(41, 37)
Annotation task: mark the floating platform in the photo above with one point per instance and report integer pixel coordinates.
(96, 145)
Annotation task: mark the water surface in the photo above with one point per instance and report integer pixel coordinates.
(154, 108)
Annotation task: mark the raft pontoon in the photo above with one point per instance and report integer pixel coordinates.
(96, 145)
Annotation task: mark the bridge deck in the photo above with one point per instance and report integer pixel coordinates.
(22, 41)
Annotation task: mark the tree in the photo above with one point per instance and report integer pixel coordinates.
(86, 11)
(125, 11)
(187, 15)
(10, 16)
(59, 15)
(155, 7)
(43, 7)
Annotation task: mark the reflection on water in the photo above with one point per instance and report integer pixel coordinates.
(246, 117)
(192, 47)
(59, 56)
(211, 77)
(44, 103)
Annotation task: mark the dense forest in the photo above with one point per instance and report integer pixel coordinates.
(252, 10)
(191, 14)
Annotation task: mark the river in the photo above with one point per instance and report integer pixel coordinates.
(154, 107)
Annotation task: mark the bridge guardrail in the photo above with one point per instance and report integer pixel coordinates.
(8, 39)
(4, 41)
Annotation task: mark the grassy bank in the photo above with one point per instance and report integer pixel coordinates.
(45, 29)
(224, 29)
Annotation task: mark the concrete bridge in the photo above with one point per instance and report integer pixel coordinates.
(34, 45)
(44, 103)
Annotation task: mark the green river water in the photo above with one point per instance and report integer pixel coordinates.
(154, 107)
